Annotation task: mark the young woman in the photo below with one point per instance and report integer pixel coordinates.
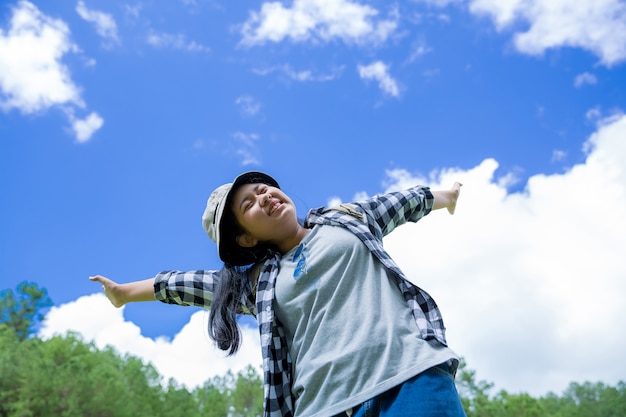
(343, 332)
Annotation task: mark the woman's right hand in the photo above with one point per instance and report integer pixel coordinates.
(447, 198)
(111, 289)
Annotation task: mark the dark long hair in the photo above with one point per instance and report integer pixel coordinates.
(233, 283)
(223, 326)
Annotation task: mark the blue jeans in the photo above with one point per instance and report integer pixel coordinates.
(429, 394)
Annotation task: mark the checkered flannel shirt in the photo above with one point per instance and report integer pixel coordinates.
(369, 220)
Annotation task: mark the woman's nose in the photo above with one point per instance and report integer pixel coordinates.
(265, 198)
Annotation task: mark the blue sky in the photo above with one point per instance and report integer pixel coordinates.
(117, 119)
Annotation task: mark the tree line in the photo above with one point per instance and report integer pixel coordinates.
(67, 376)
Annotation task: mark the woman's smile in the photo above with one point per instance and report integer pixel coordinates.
(275, 205)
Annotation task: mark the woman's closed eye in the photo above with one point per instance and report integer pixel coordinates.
(251, 196)
(249, 202)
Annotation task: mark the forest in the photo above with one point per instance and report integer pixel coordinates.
(67, 376)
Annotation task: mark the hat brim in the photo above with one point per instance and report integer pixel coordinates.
(252, 177)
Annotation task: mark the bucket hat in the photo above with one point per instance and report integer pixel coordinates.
(228, 249)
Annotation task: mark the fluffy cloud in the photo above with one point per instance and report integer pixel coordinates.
(585, 78)
(84, 128)
(248, 106)
(104, 23)
(175, 41)
(598, 26)
(301, 75)
(247, 148)
(379, 71)
(317, 20)
(32, 75)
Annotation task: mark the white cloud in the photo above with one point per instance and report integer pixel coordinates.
(98, 321)
(530, 284)
(418, 50)
(133, 11)
(85, 128)
(593, 114)
(379, 71)
(585, 78)
(558, 155)
(104, 23)
(248, 105)
(175, 41)
(32, 76)
(503, 12)
(598, 26)
(596, 115)
(302, 75)
(317, 21)
(439, 3)
(333, 201)
(246, 148)
(509, 179)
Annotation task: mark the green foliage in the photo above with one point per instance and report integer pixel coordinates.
(177, 401)
(474, 394)
(24, 309)
(65, 376)
(235, 396)
(579, 400)
(246, 399)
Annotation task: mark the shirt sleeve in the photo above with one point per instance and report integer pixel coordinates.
(195, 288)
(186, 288)
(390, 210)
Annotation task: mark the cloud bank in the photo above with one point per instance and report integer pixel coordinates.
(598, 26)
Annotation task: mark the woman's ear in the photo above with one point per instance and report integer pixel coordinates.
(246, 240)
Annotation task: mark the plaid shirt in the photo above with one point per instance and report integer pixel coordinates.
(370, 221)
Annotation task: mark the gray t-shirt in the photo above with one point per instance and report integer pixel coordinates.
(352, 334)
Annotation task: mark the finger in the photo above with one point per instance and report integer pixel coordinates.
(98, 278)
(95, 278)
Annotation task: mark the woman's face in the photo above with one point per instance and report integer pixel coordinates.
(265, 213)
